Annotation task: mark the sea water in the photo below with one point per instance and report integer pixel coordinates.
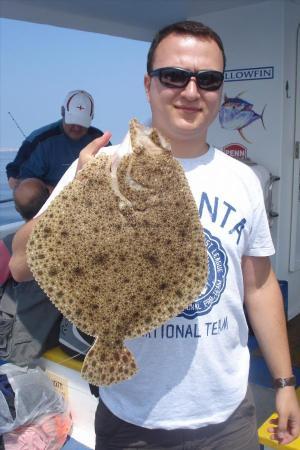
(8, 214)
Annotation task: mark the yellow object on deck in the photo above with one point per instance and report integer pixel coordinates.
(58, 356)
(264, 435)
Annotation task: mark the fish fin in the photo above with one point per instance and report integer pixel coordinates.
(262, 117)
(104, 365)
(243, 136)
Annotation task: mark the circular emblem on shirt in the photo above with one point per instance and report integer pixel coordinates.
(216, 281)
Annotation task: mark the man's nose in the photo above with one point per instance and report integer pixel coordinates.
(76, 128)
(191, 90)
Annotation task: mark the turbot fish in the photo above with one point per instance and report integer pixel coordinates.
(236, 114)
(121, 249)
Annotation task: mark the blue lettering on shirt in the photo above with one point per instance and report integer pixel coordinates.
(220, 212)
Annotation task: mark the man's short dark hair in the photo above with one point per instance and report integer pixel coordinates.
(186, 27)
(29, 207)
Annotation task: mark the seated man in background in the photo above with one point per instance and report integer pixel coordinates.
(29, 322)
(47, 152)
(29, 197)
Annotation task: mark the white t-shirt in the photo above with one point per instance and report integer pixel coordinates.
(193, 370)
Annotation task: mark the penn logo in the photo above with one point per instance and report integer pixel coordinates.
(236, 150)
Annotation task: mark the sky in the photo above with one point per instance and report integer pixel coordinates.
(39, 64)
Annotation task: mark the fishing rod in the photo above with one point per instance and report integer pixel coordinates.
(16, 123)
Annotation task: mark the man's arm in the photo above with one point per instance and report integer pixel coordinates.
(18, 263)
(36, 166)
(264, 305)
(24, 152)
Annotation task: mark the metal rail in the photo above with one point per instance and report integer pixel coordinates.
(6, 200)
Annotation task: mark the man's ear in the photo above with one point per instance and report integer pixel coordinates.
(147, 82)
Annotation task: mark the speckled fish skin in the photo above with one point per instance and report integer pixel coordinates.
(121, 250)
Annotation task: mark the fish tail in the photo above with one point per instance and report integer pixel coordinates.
(262, 117)
(243, 136)
(104, 365)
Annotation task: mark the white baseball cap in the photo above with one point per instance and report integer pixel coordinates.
(78, 108)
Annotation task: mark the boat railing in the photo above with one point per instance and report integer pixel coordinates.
(6, 200)
(9, 228)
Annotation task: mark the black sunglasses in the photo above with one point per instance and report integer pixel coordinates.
(175, 77)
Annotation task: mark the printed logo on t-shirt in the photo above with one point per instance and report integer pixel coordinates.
(216, 282)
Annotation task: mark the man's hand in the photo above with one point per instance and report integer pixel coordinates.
(13, 182)
(92, 149)
(286, 427)
(263, 301)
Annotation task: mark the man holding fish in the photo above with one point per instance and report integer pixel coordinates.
(191, 389)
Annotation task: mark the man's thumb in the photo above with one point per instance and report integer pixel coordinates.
(98, 143)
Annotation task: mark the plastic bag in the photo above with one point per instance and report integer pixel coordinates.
(34, 396)
(46, 433)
